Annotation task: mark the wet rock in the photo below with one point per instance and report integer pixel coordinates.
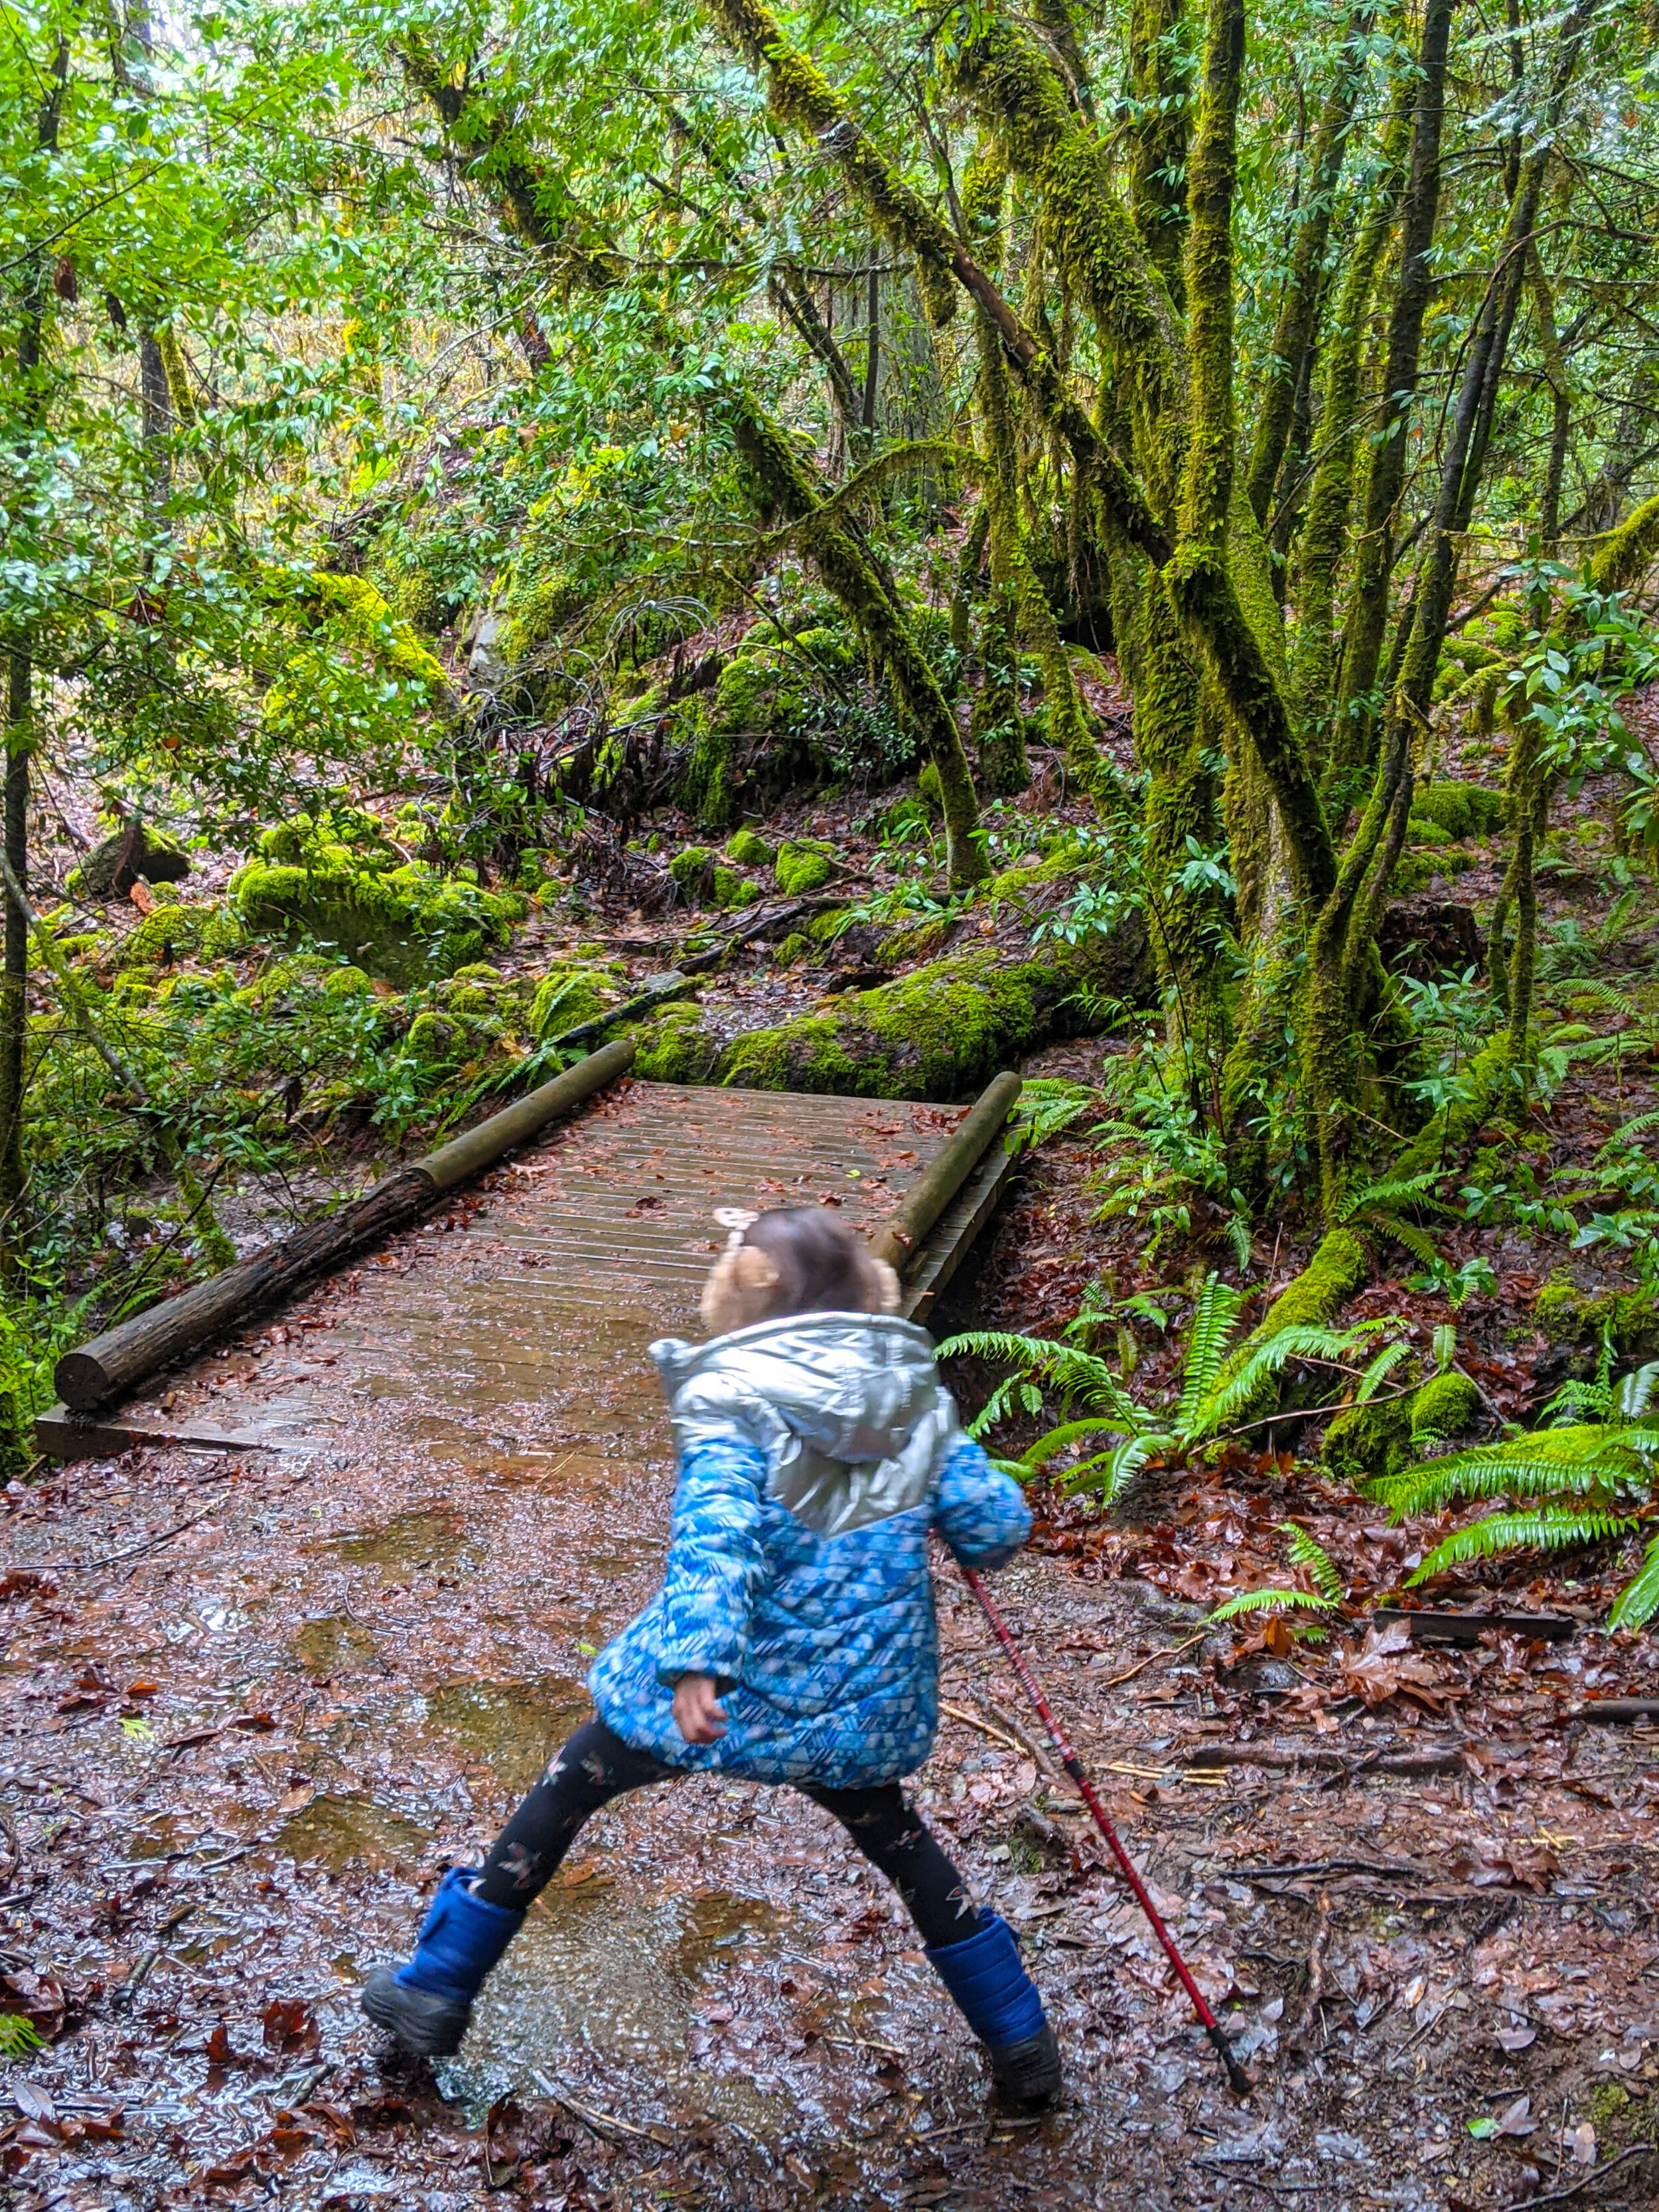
(134, 853)
(1262, 1676)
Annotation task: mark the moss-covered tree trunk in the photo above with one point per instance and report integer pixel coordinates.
(1355, 718)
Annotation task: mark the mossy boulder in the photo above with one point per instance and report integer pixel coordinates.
(1568, 1315)
(1461, 810)
(803, 865)
(728, 889)
(1368, 1441)
(1413, 872)
(404, 924)
(566, 996)
(749, 850)
(675, 1048)
(136, 853)
(795, 947)
(1447, 1406)
(940, 1033)
(689, 868)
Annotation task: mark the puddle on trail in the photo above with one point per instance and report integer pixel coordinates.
(622, 1984)
(421, 1541)
(514, 1727)
(339, 1829)
(335, 1645)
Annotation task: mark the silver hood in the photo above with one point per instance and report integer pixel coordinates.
(846, 1407)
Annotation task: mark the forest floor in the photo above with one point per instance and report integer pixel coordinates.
(251, 1704)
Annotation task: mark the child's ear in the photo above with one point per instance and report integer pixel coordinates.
(887, 1288)
(735, 1292)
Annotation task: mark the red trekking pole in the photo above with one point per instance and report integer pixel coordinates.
(1240, 2080)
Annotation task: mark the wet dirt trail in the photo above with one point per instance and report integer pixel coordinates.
(254, 1700)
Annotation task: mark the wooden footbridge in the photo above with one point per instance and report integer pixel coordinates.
(561, 1235)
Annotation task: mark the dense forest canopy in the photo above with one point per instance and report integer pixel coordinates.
(447, 448)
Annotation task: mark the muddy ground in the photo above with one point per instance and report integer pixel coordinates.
(254, 1704)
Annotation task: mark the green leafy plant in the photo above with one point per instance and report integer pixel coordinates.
(19, 2036)
(1583, 1482)
(1325, 1597)
(1212, 1397)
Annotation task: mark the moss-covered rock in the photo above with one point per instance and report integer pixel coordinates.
(572, 993)
(1447, 1406)
(404, 924)
(940, 1033)
(749, 850)
(728, 889)
(689, 869)
(1570, 1315)
(675, 1048)
(1414, 871)
(1462, 810)
(1367, 1442)
(137, 851)
(795, 947)
(803, 865)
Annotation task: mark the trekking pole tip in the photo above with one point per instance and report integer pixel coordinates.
(1240, 2082)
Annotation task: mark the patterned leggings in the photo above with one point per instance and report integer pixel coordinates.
(596, 1765)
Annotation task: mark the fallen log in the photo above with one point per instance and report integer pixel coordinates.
(116, 1361)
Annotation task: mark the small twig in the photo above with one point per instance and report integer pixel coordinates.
(973, 1721)
(1033, 1750)
(1173, 1651)
(125, 1996)
(1597, 2173)
(1304, 2028)
(114, 1559)
(597, 2121)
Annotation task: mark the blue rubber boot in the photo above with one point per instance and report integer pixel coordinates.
(999, 2000)
(427, 2003)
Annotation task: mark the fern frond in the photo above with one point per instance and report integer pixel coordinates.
(1261, 1600)
(1444, 1347)
(1635, 1392)
(998, 1344)
(1308, 1342)
(1418, 1241)
(1379, 1368)
(1516, 1532)
(1307, 1552)
(1602, 994)
(1110, 1472)
(1069, 1432)
(1388, 1197)
(1208, 1339)
(1621, 1139)
(1638, 1600)
(1565, 1463)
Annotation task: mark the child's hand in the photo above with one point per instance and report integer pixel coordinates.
(698, 1714)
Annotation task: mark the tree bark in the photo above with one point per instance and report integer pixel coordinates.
(1368, 620)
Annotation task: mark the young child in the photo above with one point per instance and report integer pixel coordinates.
(792, 1639)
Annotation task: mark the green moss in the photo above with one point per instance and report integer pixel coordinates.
(795, 947)
(825, 929)
(1423, 831)
(929, 791)
(1413, 871)
(347, 983)
(674, 1047)
(168, 935)
(689, 869)
(1447, 1405)
(1368, 1441)
(1462, 810)
(1568, 1315)
(802, 866)
(728, 889)
(748, 850)
(434, 1040)
(403, 925)
(568, 995)
(705, 790)
(539, 609)
(945, 1030)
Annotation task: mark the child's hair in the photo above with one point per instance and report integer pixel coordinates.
(797, 1258)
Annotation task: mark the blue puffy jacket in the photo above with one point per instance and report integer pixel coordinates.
(827, 1641)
